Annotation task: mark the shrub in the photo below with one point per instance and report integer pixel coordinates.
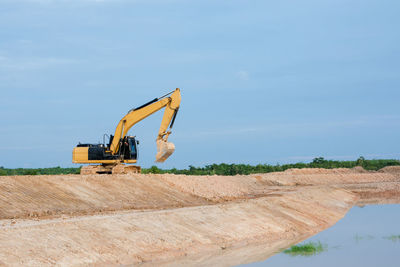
(307, 249)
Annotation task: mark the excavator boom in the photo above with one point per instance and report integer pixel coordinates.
(171, 105)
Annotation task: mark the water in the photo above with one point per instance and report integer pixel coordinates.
(359, 239)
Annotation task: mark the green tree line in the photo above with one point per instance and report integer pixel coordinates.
(227, 169)
(233, 169)
(39, 171)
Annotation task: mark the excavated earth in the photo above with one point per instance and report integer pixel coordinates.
(74, 220)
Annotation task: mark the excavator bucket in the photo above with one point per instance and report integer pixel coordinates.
(164, 150)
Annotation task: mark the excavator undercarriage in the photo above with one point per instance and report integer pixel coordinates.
(110, 169)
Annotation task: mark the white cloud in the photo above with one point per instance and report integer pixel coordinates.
(33, 63)
(48, 2)
(243, 75)
(75, 1)
(297, 128)
(341, 157)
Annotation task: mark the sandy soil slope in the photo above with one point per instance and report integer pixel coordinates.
(46, 196)
(73, 220)
(134, 237)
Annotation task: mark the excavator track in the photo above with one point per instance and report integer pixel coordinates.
(110, 169)
(126, 169)
(90, 169)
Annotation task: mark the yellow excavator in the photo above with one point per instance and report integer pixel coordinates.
(122, 148)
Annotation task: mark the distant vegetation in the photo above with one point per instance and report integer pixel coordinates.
(228, 169)
(41, 171)
(307, 249)
(233, 169)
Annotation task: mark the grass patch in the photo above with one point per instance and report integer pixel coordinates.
(394, 238)
(359, 238)
(307, 249)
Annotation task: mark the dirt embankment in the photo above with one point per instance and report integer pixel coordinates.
(340, 176)
(159, 236)
(158, 219)
(47, 196)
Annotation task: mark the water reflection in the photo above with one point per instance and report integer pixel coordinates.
(368, 236)
(394, 238)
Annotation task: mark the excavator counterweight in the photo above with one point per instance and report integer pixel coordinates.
(122, 148)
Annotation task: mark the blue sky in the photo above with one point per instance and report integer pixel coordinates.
(262, 81)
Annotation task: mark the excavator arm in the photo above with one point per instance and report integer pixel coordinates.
(171, 102)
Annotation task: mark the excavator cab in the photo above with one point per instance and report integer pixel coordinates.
(129, 147)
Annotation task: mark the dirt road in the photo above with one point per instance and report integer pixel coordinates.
(73, 220)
